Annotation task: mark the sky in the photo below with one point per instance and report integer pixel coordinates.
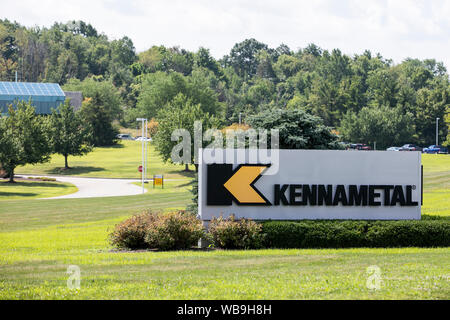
(397, 29)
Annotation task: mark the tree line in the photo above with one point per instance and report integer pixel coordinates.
(363, 98)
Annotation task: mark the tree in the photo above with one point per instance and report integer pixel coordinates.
(244, 57)
(297, 129)
(447, 124)
(7, 53)
(160, 88)
(69, 134)
(102, 93)
(100, 120)
(384, 125)
(180, 113)
(23, 138)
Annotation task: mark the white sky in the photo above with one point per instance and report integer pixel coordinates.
(396, 28)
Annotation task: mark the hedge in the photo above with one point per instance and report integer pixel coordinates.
(350, 234)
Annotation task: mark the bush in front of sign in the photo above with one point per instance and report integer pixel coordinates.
(155, 230)
(230, 233)
(173, 231)
(314, 234)
(431, 233)
(130, 233)
(348, 234)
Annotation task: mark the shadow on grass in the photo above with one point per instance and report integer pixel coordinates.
(187, 184)
(34, 184)
(17, 194)
(115, 146)
(187, 174)
(75, 170)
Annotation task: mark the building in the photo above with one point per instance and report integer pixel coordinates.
(75, 99)
(43, 96)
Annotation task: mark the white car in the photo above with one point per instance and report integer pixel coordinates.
(393, 149)
(143, 139)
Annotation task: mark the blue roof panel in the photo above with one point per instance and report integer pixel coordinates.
(43, 96)
(30, 89)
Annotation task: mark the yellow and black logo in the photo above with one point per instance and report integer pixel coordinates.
(226, 185)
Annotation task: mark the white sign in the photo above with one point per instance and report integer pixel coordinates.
(310, 184)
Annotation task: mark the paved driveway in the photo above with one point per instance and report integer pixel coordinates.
(93, 187)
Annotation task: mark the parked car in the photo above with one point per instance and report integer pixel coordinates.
(393, 149)
(410, 147)
(124, 136)
(435, 149)
(143, 139)
(359, 146)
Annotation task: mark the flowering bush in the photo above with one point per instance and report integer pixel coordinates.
(236, 234)
(164, 231)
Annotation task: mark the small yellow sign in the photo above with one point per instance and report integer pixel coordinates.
(158, 181)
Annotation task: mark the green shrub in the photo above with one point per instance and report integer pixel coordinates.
(235, 234)
(163, 231)
(174, 230)
(430, 233)
(131, 233)
(347, 234)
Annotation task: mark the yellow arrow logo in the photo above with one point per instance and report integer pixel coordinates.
(241, 184)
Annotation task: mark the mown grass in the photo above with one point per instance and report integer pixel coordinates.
(39, 239)
(120, 161)
(36, 214)
(23, 190)
(436, 191)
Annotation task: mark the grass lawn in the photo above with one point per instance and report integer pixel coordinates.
(39, 239)
(23, 190)
(120, 161)
(436, 191)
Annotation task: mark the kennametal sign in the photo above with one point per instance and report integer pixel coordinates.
(310, 184)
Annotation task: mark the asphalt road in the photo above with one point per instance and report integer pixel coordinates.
(97, 187)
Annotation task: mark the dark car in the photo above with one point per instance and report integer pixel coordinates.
(435, 149)
(410, 147)
(124, 136)
(359, 146)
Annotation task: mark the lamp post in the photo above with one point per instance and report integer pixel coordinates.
(437, 131)
(144, 151)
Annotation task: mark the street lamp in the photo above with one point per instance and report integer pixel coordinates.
(437, 131)
(144, 150)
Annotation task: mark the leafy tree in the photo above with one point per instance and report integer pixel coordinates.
(7, 54)
(287, 66)
(159, 88)
(265, 68)
(384, 125)
(69, 134)
(204, 59)
(100, 120)
(153, 58)
(193, 206)
(23, 138)
(180, 113)
(431, 103)
(447, 124)
(244, 57)
(297, 129)
(102, 93)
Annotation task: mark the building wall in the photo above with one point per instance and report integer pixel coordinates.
(75, 99)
